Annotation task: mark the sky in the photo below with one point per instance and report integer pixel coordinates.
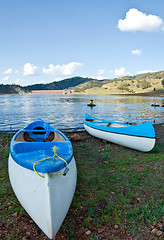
(42, 41)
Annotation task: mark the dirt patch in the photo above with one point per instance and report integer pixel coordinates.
(159, 130)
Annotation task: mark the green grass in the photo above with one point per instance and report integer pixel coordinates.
(115, 186)
(9, 203)
(112, 190)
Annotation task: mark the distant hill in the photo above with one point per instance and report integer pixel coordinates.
(12, 89)
(60, 85)
(140, 83)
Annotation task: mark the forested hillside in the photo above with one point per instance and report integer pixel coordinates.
(12, 89)
(60, 85)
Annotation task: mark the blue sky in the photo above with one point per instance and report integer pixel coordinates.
(42, 41)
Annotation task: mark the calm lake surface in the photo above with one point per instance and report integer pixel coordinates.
(66, 112)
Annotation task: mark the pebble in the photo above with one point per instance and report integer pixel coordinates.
(159, 225)
(158, 233)
(76, 137)
(88, 232)
(116, 226)
(15, 214)
(154, 231)
(106, 162)
(100, 230)
(154, 223)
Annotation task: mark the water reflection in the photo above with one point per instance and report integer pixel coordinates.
(67, 111)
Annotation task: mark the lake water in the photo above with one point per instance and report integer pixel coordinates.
(66, 112)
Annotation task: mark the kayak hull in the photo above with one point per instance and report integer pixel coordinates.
(43, 175)
(47, 199)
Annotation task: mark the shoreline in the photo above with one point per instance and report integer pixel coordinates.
(159, 131)
(69, 129)
(71, 92)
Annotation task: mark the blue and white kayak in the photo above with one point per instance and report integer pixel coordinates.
(139, 137)
(42, 172)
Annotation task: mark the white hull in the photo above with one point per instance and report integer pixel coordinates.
(46, 200)
(138, 143)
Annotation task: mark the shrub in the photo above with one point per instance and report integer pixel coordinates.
(143, 84)
(124, 86)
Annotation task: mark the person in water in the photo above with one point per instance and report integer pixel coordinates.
(91, 102)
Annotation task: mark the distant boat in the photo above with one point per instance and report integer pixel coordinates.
(155, 104)
(39, 160)
(139, 137)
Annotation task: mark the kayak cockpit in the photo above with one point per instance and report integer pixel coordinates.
(39, 131)
(37, 142)
(106, 123)
(24, 136)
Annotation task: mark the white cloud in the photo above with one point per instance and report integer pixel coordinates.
(97, 78)
(101, 71)
(128, 74)
(138, 21)
(5, 78)
(119, 72)
(42, 81)
(17, 81)
(58, 79)
(136, 52)
(29, 69)
(65, 69)
(145, 71)
(8, 71)
(100, 78)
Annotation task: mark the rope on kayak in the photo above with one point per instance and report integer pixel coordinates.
(55, 155)
(30, 140)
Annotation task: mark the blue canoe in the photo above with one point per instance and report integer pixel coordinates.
(43, 174)
(140, 137)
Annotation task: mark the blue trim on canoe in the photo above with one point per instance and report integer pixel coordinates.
(27, 153)
(141, 130)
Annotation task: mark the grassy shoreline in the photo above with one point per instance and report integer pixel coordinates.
(119, 193)
(97, 91)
